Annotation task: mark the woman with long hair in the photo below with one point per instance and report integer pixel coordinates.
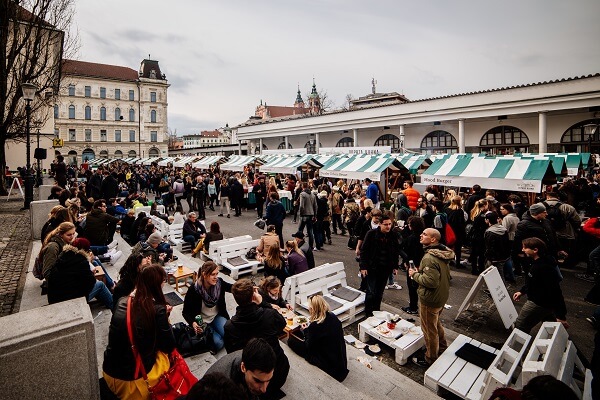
(321, 342)
(129, 273)
(207, 298)
(270, 290)
(477, 257)
(457, 219)
(54, 243)
(274, 263)
(296, 261)
(53, 221)
(214, 233)
(152, 336)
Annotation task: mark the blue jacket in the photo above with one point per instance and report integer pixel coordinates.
(373, 192)
(275, 213)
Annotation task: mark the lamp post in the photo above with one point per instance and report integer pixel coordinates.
(38, 172)
(29, 90)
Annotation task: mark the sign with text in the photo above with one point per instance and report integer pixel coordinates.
(355, 150)
(490, 183)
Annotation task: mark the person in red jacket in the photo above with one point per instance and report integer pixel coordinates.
(412, 195)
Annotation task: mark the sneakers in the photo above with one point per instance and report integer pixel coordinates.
(421, 362)
(585, 277)
(410, 311)
(394, 286)
(465, 263)
(113, 244)
(115, 256)
(592, 321)
(220, 215)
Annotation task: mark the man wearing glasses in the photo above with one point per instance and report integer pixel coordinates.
(100, 226)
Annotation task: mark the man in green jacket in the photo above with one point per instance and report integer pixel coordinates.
(433, 278)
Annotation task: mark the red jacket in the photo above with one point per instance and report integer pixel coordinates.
(412, 195)
(592, 227)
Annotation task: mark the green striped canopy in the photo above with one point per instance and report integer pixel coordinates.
(208, 161)
(182, 161)
(289, 165)
(361, 167)
(574, 161)
(237, 162)
(518, 174)
(415, 162)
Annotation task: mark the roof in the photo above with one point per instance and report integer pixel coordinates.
(362, 166)
(149, 69)
(289, 165)
(210, 133)
(95, 70)
(282, 111)
(238, 162)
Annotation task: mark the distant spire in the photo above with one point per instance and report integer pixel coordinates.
(149, 56)
(314, 93)
(299, 96)
(373, 82)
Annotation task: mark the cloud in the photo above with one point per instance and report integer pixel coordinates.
(188, 125)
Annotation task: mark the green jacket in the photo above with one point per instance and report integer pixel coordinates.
(433, 276)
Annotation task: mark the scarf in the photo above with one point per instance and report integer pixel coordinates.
(210, 296)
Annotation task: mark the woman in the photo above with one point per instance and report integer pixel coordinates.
(54, 243)
(179, 216)
(275, 264)
(268, 240)
(270, 290)
(207, 298)
(224, 194)
(52, 222)
(212, 235)
(457, 218)
(141, 233)
(510, 222)
(129, 273)
(152, 336)
(135, 227)
(477, 257)
(188, 192)
(126, 225)
(322, 342)
(296, 261)
(414, 251)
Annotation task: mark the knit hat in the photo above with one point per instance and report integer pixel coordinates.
(536, 209)
(155, 238)
(81, 244)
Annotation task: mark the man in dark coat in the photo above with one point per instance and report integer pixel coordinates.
(276, 214)
(257, 319)
(94, 185)
(60, 172)
(109, 187)
(237, 196)
(99, 226)
(260, 194)
(534, 224)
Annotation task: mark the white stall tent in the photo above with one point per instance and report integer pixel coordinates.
(362, 167)
(208, 161)
(290, 165)
(237, 162)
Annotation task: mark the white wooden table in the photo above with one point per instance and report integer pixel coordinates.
(455, 374)
(405, 339)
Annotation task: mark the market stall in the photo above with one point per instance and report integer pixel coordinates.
(291, 164)
(166, 161)
(208, 161)
(237, 162)
(182, 161)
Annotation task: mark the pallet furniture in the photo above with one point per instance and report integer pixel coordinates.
(180, 278)
(324, 280)
(405, 339)
(233, 257)
(214, 249)
(175, 237)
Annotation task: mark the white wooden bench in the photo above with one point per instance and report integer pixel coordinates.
(140, 209)
(176, 238)
(323, 280)
(237, 250)
(161, 225)
(214, 248)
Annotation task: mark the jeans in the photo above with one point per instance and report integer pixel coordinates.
(101, 292)
(307, 220)
(224, 202)
(433, 332)
(319, 234)
(165, 247)
(99, 250)
(337, 222)
(190, 239)
(109, 281)
(509, 271)
(218, 332)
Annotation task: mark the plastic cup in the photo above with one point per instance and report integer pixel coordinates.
(391, 325)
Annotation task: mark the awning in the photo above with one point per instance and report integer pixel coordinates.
(362, 167)
(150, 160)
(208, 161)
(289, 165)
(165, 161)
(237, 162)
(518, 174)
(181, 162)
(415, 162)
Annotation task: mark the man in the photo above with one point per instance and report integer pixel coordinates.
(379, 257)
(303, 245)
(545, 300)
(260, 195)
(475, 195)
(257, 319)
(412, 195)
(566, 223)
(237, 195)
(193, 230)
(497, 246)
(275, 214)
(433, 278)
(109, 187)
(152, 247)
(94, 185)
(372, 192)
(199, 190)
(308, 210)
(518, 206)
(60, 172)
(99, 226)
(337, 204)
(534, 224)
(251, 369)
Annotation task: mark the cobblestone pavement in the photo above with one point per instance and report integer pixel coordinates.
(14, 253)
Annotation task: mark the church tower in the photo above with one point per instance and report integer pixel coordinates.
(314, 101)
(299, 102)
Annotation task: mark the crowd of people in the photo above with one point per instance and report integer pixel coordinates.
(423, 235)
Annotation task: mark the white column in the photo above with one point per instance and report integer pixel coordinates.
(317, 141)
(240, 147)
(260, 144)
(355, 137)
(543, 148)
(402, 139)
(286, 140)
(461, 135)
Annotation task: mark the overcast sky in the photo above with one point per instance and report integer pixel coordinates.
(223, 57)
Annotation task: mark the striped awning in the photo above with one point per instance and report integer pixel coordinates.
(237, 162)
(182, 161)
(415, 162)
(518, 174)
(574, 161)
(289, 165)
(149, 160)
(362, 167)
(558, 163)
(208, 161)
(165, 161)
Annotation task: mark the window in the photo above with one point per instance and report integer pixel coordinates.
(282, 146)
(153, 152)
(131, 153)
(88, 112)
(103, 135)
(88, 154)
(117, 135)
(311, 147)
(117, 114)
(103, 154)
(88, 135)
(131, 115)
(504, 139)
(56, 133)
(71, 90)
(118, 154)
(132, 136)
(582, 137)
(389, 140)
(56, 111)
(102, 92)
(102, 113)
(153, 116)
(72, 135)
(438, 142)
(131, 95)
(153, 136)
(71, 111)
(345, 142)
(153, 97)
(118, 96)
(88, 91)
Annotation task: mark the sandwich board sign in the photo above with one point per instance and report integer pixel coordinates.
(501, 297)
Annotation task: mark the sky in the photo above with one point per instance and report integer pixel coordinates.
(222, 58)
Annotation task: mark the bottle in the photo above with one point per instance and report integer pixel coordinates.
(200, 321)
(411, 264)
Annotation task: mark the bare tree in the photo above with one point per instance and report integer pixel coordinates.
(172, 138)
(347, 102)
(34, 37)
(325, 102)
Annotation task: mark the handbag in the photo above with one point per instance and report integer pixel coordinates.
(260, 223)
(189, 343)
(177, 381)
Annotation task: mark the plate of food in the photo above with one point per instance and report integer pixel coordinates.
(300, 320)
(359, 345)
(373, 321)
(384, 331)
(375, 348)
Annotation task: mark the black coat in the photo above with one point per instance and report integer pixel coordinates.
(192, 304)
(109, 187)
(253, 321)
(326, 348)
(98, 225)
(380, 252)
(71, 276)
(530, 227)
(542, 286)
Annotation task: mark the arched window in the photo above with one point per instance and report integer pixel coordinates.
(118, 154)
(389, 140)
(71, 111)
(282, 146)
(504, 139)
(153, 152)
(153, 116)
(104, 154)
(311, 146)
(102, 113)
(88, 112)
(345, 142)
(131, 115)
(131, 153)
(257, 149)
(72, 158)
(439, 142)
(582, 137)
(117, 114)
(88, 154)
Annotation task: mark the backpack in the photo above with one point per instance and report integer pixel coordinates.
(555, 215)
(38, 266)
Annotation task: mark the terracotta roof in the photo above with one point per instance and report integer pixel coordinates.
(95, 70)
(210, 133)
(282, 111)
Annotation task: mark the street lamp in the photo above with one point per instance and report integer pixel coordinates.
(589, 130)
(29, 90)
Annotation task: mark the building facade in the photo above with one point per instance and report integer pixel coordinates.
(218, 137)
(556, 116)
(108, 111)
